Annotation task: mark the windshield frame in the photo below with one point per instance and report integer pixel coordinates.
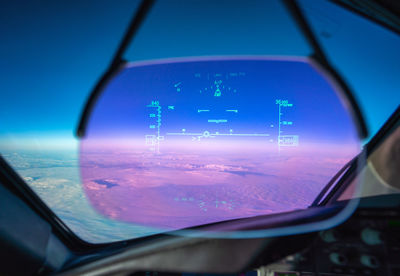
(344, 178)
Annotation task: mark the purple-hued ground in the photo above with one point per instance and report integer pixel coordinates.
(173, 190)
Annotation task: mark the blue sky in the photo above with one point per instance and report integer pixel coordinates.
(53, 52)
(185, 93)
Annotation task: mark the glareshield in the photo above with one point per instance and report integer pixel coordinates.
(174, 144)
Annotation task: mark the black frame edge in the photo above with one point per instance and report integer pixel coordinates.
(320, 58)
(116, 65)
(346, 4)
(349, 175)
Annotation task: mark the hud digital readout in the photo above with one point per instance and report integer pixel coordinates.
(179, 144)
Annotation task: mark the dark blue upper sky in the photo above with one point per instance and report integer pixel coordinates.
(231, 100)
(53, 52)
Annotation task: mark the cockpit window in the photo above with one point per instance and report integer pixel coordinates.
(48, 74)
